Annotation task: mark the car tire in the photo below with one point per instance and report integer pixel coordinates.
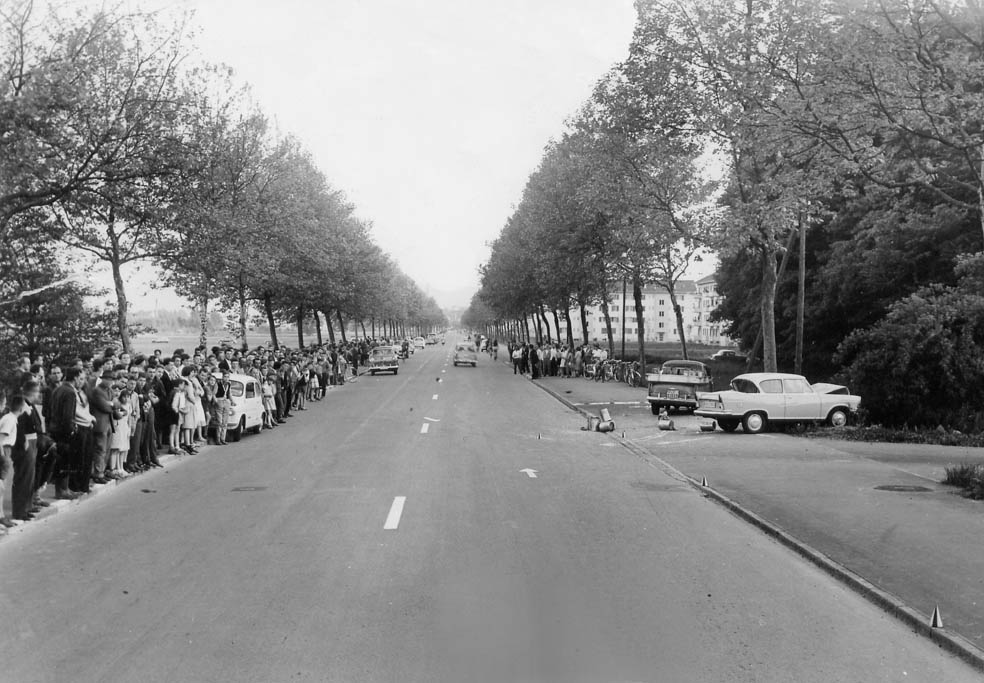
(728, 425)
(837, 418)
(474, 365)
(754, 423)
(396, 372)
(654, 408)
(372, 373)
(236, 434)
(456, 364)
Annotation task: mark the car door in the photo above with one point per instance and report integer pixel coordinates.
(802, 403)
(771, 399)
(253, 400)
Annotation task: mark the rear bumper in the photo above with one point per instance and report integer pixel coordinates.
(664, 401)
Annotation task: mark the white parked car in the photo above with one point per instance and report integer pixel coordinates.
(419, 343)
(246, 413)
(759, 399)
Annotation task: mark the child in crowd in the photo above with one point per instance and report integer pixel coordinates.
(119, 438)
(269, 403)
(8, 435)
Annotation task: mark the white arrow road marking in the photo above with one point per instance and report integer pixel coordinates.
(434, 397)
(431, 419)
(396, 511)
(529, 473)
(443, 370)
(424, 428)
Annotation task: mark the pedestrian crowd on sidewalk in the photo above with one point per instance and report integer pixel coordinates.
(554, 360)
(111, 416)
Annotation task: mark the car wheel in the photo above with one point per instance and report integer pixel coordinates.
(654, 408)
(456, 364)
(837, 418)
(474, 365)
(728, 425)
(236, 434)
(396, 372)
(372, 373)
(754, 423)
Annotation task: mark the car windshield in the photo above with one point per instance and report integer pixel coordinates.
(683, 370)
(382, 351)
(745, 386)
(465, 347)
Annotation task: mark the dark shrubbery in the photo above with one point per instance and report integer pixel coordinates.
(922, 365)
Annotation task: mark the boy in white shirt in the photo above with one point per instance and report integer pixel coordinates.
(8, 435)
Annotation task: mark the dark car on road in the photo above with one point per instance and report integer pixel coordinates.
(677, 384)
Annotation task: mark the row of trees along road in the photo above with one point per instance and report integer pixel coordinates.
(742, 127)
(118, 142)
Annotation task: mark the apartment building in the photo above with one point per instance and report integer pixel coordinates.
(697, 299)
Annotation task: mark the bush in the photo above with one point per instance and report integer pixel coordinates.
(923, 364)
(968, 477)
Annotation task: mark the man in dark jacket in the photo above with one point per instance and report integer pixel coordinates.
(101, 406)
(70, 425)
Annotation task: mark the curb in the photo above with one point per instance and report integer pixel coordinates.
(889, 603)
(95, 490)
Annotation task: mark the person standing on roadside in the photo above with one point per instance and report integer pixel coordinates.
(24, 453)
(8, 435)
(70, 425)
(517, 359)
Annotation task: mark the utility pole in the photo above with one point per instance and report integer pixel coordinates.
(800, 297)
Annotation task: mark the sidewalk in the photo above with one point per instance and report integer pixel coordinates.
(920, 543)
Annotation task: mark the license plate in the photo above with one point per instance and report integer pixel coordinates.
(672, 393)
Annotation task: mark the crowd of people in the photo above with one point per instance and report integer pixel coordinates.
(553, 360)
(113, 415)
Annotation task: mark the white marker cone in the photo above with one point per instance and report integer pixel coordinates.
(937, 621)
(703, 482)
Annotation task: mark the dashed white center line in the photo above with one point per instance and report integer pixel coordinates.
(434, 397)
(396, 511)
(425, 428)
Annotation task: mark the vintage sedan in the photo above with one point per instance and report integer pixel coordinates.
(419, 343)
(677, 384)
(384, 359)
(759, 399)
(465, 354)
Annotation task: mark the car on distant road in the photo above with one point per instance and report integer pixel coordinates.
(465, 354)
(759, 399)
(384, 359)
(729, 354)
(677, 384)
(419, 343)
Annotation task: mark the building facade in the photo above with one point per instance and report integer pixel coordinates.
(697, 299)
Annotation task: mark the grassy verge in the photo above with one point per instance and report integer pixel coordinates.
(933, 437)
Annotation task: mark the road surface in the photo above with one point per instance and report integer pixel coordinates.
(445, 524)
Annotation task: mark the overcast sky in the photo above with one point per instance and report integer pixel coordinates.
(429, 114)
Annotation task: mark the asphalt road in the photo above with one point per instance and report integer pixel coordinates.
(270, 561)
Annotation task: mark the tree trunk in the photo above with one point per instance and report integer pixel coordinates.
(363, 324)
(202, 320)
(300, 326)
(268, 307)
(243, 312)
(557, 325)
(331, 327)
(584, 321)
(624, 296)
(317, 327)
(570, 332)
(768, 308)
(800, 299)
(121, 303)
(608, 324)
(640, 325)
(539, 328)
(546, 324)
(526, 327)
(341, 325)
(372, 322)
(678, 314)
(782, 270)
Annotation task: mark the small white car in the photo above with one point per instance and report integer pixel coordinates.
(419, 343)
(465, 354)
(246, 413)
(759, 399)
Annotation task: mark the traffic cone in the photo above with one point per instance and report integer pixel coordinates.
(703, 482)
(937, 621)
